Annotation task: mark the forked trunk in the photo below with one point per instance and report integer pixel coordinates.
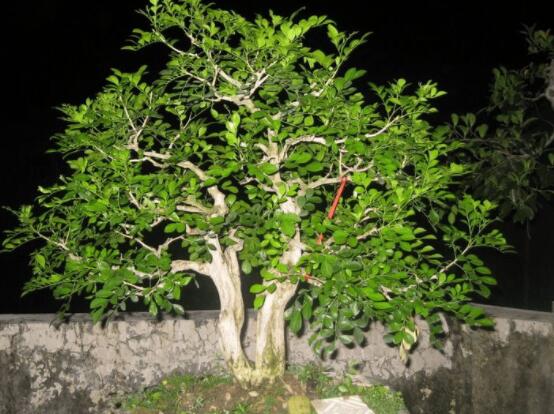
(270, 355)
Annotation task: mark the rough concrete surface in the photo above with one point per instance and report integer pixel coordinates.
(78, 367)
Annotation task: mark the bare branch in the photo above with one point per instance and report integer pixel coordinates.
(139, 288)
(369, 233)
(382, 130)
(158, 155)
(198, 78)
(228, 78)
(134, 201)
(264, 149)
(147, 247)
(289, 143)
(239, 243)
(150, 160)
(261, 77)
(190, 166)
(261, 185)
(312, 280)
(323, 181)
(166, 244)
(239, 100)
(452, 263)
(357, 168)
(128, 116)
(230, 253)
(133, 139)
(193, 209)
(184, 265)
(220, 208)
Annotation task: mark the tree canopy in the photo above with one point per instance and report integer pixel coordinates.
(226, 163)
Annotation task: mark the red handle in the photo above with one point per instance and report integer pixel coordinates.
(333, 208)
(337, 198)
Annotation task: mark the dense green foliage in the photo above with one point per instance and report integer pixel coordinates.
(242, 139)
(513, 150)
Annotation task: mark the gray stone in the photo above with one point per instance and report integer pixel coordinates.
(341, 405)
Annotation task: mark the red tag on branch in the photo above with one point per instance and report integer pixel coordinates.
(330, 215)
(333, 208)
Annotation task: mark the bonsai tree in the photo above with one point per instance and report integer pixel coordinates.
(228, 163)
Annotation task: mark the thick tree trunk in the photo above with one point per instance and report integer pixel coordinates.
(270, 334)
(225, 273)
(270, 323)
(270, 355)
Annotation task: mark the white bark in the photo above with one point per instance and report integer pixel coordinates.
(225, 273)
(270, 321)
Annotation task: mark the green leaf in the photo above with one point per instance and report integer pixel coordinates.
(269, 169)
(455, 119)
(176, 292)
(217, 220)
(174, 228)
(483, 270)
(246, 267)
(381, 305)
(287, 223)
(288, 228)
(489, 280)
(374, 296)
(153, 308)
(315, 166)
(259, 301)
(346, 339)
(340, 236)
(178, 309)
(307, 310)
(358, 336)
(295, 322)
(485, 323)
(302, 158)
(257, 288)
(327, 268)
(332, 32)
(267, 275)
(40, 260)
(482, 130)
(98, 302)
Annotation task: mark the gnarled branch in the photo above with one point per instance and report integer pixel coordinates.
(289, 143)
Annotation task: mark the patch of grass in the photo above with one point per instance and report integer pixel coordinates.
(188, 394)
(173, 395)
(380, 398)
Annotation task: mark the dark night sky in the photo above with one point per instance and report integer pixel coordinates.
(60, 51)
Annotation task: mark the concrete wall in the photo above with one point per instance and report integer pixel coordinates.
(79, 367)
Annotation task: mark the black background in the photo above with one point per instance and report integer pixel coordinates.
(61, 51)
